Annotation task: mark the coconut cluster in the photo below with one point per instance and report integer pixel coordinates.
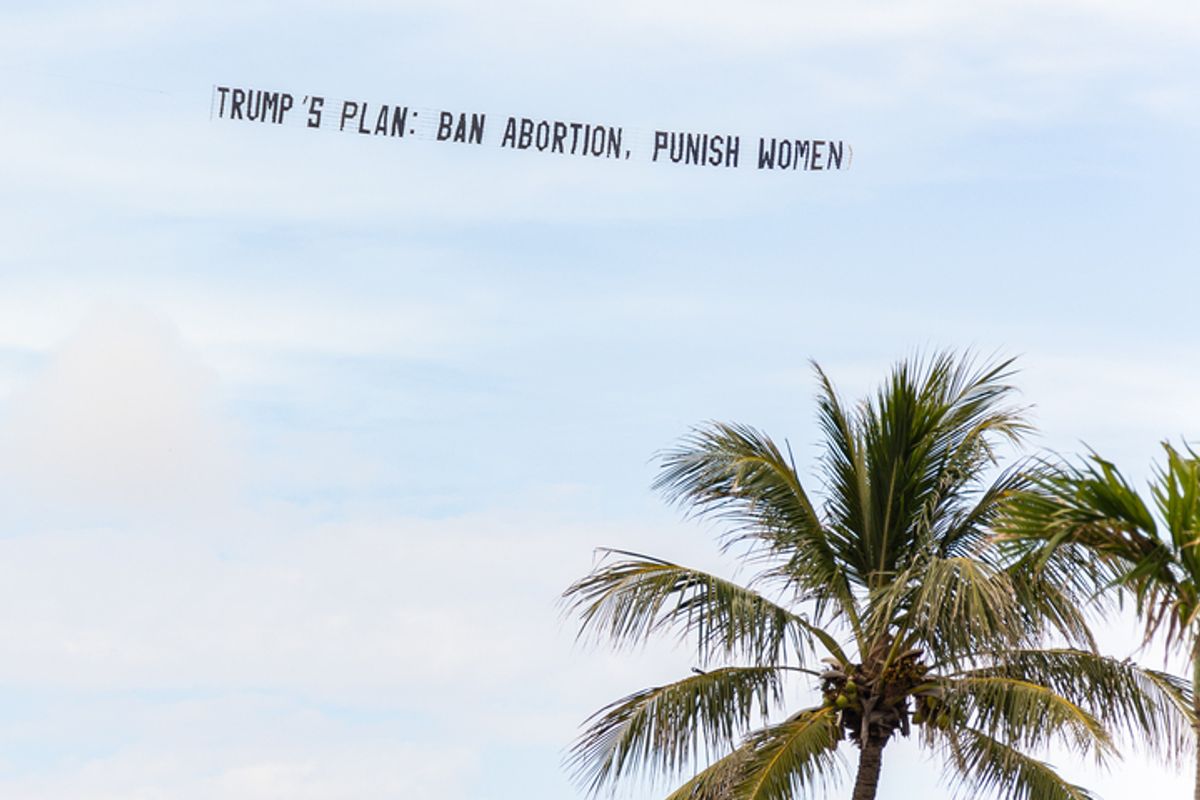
(872, 701)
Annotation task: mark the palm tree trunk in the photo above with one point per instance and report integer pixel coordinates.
(1196, 711)
(1196, 791)
(870, 759)
(1195, 728)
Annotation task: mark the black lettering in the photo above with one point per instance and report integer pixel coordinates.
(614, 142)
(223, 91)
(510, 133)
(816, 154)
(270, 106)
(677, 155)
(362, 117)
(598, 141)
(575, 126)
(526, 135)
(542, 135)
(766, 156)
(476, 135)
(285, 105)
(715, 156)
(786, 153)
(253, 104)
(381, 122)
(704, 149)
(560, 133)
(235, 108)
(349, 111)
(801, 154)
(399, 120)
(660, 143)
(835, 154)
(445, 121)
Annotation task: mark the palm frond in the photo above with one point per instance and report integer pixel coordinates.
(631, 599)
(960, 603)
(790, 760)
(665, 728)
(971, 529)
(955, 609)
(1176, 492)
(926, 435)
(1025, 714)
(980, 764)
(1148, 708)
(1088, 512)
(843, 464)
(737, 474)
(958, 512)
(1050, 601)
(1034, 530)
(718, 780)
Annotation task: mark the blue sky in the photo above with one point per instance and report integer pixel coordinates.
(303, 433)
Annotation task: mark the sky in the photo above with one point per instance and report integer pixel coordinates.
(302, 433)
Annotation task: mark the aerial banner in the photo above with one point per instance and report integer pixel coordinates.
(578, 138)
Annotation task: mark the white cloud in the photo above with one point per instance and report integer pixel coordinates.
(121, 420)
(243, 748)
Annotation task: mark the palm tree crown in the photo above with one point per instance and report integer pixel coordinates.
(1087, 522)
(925, 624)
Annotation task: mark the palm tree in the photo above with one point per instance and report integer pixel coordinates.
(927, 627)
(1089, 523)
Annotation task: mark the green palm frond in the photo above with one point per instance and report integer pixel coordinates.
(1150, 708)
(979, 764)
(790, 760)
(1176, 492)
(971, 529)
(844, 467)
(956, 608)
(737, 474)
(960, 607)
(925, 437)
(629, 600)
(665, 728)
(1050, 602)
(1089, 504)
(965, 418)
(718, 780)
(1026, 714)
(1034, 533)
(1088, 516)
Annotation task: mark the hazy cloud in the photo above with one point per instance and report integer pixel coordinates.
(122, 420)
